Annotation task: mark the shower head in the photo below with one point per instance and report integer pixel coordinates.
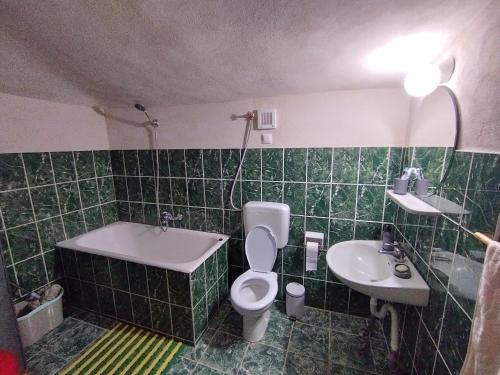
(153, 122)
(140, 107)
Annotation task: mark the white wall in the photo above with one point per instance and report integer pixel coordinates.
(331, 119)
(476, 81)
(38, 125)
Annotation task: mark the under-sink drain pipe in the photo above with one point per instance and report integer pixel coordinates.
(387, 307)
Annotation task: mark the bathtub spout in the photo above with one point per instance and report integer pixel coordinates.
(165, 217)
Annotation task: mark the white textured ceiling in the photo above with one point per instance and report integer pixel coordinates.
(165, 52)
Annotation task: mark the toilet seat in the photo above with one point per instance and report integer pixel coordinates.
(253, 292)
(261, 249)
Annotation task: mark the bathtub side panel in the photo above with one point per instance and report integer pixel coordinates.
(209, 289)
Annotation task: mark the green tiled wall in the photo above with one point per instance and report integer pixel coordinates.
(45, 198)
(434, 338)
(339, 192)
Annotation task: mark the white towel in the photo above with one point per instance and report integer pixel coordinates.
(483, 353)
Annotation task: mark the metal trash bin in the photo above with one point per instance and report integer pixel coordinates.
(295, 298)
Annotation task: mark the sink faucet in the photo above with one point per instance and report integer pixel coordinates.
(395, 251)
(165, 217)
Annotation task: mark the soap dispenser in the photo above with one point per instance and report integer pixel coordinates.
(387, 237)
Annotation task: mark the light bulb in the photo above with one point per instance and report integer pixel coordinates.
(422, 80)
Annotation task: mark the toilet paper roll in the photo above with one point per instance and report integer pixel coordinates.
(311, 256)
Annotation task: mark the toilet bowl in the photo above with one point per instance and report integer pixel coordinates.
(253, 292)
(252, 295)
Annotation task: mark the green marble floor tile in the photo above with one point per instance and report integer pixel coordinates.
(233, 323)
(205, 370)
(341, 370)
(278, 332)
(45, 363)
(348, 323)
(225, 352)
(298, 363)
(351, 351)
(309, 339)
(262, 359)
(316, 317)
(195, 353)
(181, 366)
(67, 344)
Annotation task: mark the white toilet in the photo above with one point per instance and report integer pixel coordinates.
(253, 293)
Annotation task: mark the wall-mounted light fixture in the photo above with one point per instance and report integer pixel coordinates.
(423, 79)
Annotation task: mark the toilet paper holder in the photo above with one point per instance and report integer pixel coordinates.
(314, 237)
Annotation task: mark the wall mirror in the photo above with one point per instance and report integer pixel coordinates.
(465, 186)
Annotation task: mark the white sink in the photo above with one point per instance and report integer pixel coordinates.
(359, 265)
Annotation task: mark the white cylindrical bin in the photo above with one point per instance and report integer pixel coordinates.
(295, 297)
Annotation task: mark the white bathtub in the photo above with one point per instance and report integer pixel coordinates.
(176, 249)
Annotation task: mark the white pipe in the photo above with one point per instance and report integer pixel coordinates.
(387, 307)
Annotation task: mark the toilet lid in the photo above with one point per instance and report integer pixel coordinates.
(261, 249)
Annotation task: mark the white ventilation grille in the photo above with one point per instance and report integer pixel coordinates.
(266, 119)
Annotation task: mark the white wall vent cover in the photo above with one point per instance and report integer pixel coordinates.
(266, 119)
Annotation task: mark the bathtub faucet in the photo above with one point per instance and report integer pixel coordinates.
(165, 217)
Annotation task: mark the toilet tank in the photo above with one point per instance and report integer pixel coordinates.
(276, 216)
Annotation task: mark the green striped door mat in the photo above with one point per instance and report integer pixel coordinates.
(124, 350)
